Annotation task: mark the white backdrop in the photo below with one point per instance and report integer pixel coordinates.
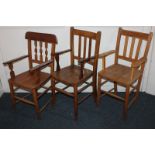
(13, 44)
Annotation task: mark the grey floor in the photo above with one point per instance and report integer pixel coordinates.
(108, 115)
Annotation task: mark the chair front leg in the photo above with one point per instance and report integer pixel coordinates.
(12, 92)
(125, 108)
(36, 105)
(75, 102)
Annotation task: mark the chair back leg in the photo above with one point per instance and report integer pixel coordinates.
(75, 103)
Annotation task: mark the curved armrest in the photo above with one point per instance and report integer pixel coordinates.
(15, 60)
(56, 55)
(103, 57)
(41, 66)
(106, 54)
(63, 52)
(138, 63)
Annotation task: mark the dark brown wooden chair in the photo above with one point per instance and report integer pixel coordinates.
(34, 79)
(77, 74)
(130, 76)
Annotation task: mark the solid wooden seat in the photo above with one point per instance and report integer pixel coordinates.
(28, 80)
(131, 47)
(120, 74)
(41, 48)
(70, 75)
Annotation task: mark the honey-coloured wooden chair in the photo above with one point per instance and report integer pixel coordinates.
(132, 47)
(40, 50)
(84, 49)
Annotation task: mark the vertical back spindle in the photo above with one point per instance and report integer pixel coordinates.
(35, 50)
(46, 51)
(84, 50)
(89, 50)
(79, 48)
(41, 52)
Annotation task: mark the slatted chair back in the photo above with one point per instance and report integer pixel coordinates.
(87, 46)
(136, 45)
(41, 48)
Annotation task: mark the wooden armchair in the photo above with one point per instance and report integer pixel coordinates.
(129, 77)
(34, 79)
(76, 75)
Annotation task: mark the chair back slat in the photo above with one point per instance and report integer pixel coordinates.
(84, 49)
(79, 48)
(139, 35)
(132, 47)
(46, 51)
(41, 51)
(36, 50)
(90, 47)
(125, 46)
(138, 48)
(84, 33)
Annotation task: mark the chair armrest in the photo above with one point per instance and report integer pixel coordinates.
(15, 60)
(63, 52)
(135, 65)
(103, 57)
(41, 66)
(10, 64)
(56, 55)
(138, 63)
(106, 54)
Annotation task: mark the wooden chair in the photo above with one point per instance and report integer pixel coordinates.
(129, 77)
(76, 75)
(34, 79)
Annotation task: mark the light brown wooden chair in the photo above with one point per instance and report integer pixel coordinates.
(130, 76)
(77, 74)
(34, 79)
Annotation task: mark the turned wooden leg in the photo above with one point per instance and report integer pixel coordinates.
(12, 94)
(75, 103)
(125, 108)
(53, 91)
(99, 90)
(115, 88)
(35, 99)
